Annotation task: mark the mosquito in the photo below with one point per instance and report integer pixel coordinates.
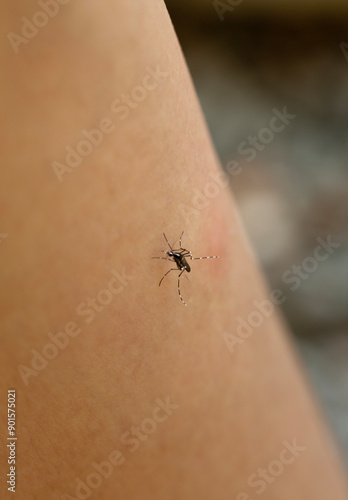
(179, 256)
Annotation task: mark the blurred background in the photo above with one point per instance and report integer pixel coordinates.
(246, 58)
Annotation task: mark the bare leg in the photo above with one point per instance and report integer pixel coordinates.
(78, 253)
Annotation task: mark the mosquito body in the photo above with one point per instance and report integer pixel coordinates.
(179, 256)
(180, 260)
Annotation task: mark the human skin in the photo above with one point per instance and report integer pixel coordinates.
(233, 409)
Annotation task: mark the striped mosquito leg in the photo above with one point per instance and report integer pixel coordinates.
(180, 238)
(182, 300)
(211, 257)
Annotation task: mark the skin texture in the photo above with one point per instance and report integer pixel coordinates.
(232, 411)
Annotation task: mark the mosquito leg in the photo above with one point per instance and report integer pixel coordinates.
(185, 252)
(166, 275)
(180, 238)
(165, 237)
(182, 300)
(163, 258)
(188, 254)
(200, 258)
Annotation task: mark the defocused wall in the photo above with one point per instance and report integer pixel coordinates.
(270, 55)
(265, 8)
